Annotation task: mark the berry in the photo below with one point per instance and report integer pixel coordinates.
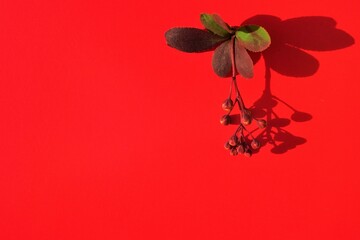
(227, 105)
(246, 117)
(233, 152)
(248, 152)
(255, 144)
(227, 146)
(240, 148)
(225, 120)
(261, 123)
(233, 140)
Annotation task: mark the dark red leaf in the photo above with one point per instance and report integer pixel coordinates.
(223, 24)
(221, 61)
(192, 39)
(243, 62)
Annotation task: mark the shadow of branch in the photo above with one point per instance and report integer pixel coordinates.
(286, 56)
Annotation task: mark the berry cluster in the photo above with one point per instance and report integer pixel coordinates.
(231, 45)
(239, 143)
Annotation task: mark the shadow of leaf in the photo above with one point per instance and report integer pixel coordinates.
(316, 33)
(300, 116)
(286, 56)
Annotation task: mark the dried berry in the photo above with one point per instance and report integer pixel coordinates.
(225, 120)
(233, 152)
(227, 105)
(240, 148)
(255, 144)
(227, 146)
(248, 152)
(233, 141)
(246, 118)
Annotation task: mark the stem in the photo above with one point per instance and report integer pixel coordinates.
(238, 129)
(249, 133)
(238, 95)
(233, 58)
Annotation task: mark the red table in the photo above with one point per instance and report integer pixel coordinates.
(107, 133)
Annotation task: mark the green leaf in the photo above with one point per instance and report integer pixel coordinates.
(253, 37)
(192, 39)
(221, 61)
(243, 62)
(215, 24)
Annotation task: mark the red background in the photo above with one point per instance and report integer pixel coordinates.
(107, 133)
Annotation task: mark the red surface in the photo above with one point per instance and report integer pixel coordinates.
(107, 133)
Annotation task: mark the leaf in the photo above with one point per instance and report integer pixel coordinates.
(223, 24)
(192, 39)
(243, 62)
(215, 24)
(254, 38)
(221, 61)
